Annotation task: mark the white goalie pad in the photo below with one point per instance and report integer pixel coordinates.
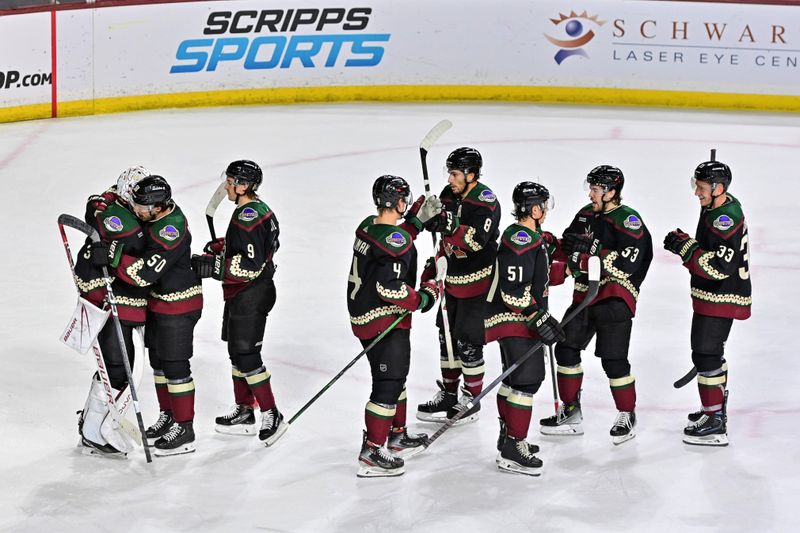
(84, 326)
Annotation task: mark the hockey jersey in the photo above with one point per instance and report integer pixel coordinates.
(383, 272)
(521, 279)
(719, 266)
(625, 254)
(118, 223)
(250, 243)
(165, 266)
(470, 244)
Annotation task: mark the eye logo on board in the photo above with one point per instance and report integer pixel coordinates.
(575, 31)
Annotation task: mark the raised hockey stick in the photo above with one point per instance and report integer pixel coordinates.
(424, 146)
(594, 286)
(686, 379)
(552, 358)
(116, 412)
(80, 225)
(216, 198)
(346, 368)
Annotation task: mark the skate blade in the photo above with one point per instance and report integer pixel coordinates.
(432, 417)
(505, 465)
(622, 438)
(282, 427)
(376, 471)
(180, 450)
(465, 420)
(243, 430)
(709, 440)
(564, 430)
(94, 452)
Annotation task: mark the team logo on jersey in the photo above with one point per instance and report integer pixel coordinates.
(633, 222)
(113, 223)
(396, 239)
(521, 238)
(169, 233)
(723, 223)
(487, 196)
(248, 214)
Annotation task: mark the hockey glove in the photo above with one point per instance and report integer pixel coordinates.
(428, 292)
(548, 328)
(208, 266)
(551, 241)
(445, 222)
(429, 272)
(215, 247)
(577, 263)
(583, 244)
(100, 202)
(679, 243)
(106, 253)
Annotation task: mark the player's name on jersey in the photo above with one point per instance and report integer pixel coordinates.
(360, 246)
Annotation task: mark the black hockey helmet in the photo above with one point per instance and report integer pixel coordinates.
(528, 194)
(245, 172)
(608, 177)
(151, 191)
(466, 160)
(388, 190)
(713, 172)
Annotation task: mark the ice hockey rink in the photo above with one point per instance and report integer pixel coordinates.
(319, 163)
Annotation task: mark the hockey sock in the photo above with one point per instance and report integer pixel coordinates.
(181, 395)
(473, 377)
(259, 382)
(518, 413)
(241, 390)
(502, 400)
(400, 411)
(162, 393)
(569, 379)
(624, 392)
(711, 386)
(378, 419)
(450, 378)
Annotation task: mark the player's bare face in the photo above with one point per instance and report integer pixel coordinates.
(457, 181)
(596, 194)
(703, 192)
(234, 190)
(143, 212)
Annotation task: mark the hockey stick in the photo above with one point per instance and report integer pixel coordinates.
(594, 286)
(76, 223)
(686, 379)
(117, 414)
(213, 204)
(346, 368)
(552, 357)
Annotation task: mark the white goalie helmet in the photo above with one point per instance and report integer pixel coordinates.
(130, 177)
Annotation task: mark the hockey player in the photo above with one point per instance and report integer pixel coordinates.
(245, 256)
(617, 234)
(110, 214)
(174, 306)
(380, 290)
(717, 259)
(469, 227)
(518, 317)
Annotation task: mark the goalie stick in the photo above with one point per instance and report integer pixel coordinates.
(83, 227)
(216, 198)
(594, 285)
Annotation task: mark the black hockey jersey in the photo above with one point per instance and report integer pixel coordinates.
(471, 245)
(250, 243)
(383, 272)
(719, 266)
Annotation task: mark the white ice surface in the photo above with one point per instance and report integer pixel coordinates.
(320, 162)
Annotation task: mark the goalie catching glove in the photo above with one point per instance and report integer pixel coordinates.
(544, 324)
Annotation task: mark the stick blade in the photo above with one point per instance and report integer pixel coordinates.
(219, 195)
(78, 224)
(437, 131)
(441, 268)
(594, 268)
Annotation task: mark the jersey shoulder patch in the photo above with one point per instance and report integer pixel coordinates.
(251, 213)
(117, 220)
(392, 239)
(725, 217)
(627, 218)
(520, 239)
(482, 193)
(171, 229)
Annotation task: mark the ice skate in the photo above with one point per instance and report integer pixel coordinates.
(405, 445)
(567, 422)
(241, 420)
(436, 409)
(178, 440)
(106, 451)
(517, 456)
(160, 427)
(501, 438)
(272, 426)
(472, 413)
(624, 428)
(708, 430)
(376, 461)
